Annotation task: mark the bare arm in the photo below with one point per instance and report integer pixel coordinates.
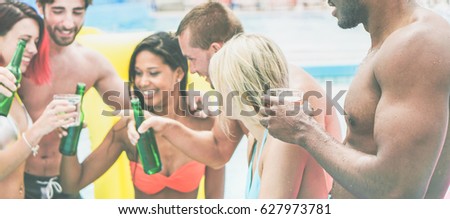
(440, 181)
(75, 176)
(409, 127)
(110, 86)
(213, 148)
(214, 183)
(56, 114)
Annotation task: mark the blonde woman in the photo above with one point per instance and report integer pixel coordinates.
(249, 64)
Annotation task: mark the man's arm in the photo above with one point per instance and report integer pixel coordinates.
(410, 122)
(75, 176)
(440, 181)
(409, 127)
(213, 148)
(109, 85)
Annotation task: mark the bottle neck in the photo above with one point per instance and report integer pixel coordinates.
(81, 88)
(137, 111)
(136, 106)
(80, 92)
(16, 61)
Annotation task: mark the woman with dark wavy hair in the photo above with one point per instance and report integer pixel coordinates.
(158, 76)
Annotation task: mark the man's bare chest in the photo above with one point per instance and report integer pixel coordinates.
(362, 100)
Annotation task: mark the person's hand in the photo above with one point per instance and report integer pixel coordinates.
(133, 135)
(57, 114)
(159, 124)
(7, 82)
(195, 106)
(63, 132)
(285, 122)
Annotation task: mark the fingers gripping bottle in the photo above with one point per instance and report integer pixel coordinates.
(146, 146)
(14, 68)
(69, 143)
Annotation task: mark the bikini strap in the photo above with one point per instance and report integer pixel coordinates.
(263, 142)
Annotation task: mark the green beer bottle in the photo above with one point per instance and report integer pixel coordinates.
(14, 68)
(146, 146)
(69, 143)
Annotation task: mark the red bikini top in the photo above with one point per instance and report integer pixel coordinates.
(185, 179)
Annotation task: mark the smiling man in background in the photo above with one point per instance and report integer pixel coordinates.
(70, 64)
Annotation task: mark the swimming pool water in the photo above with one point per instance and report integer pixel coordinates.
(308, 38)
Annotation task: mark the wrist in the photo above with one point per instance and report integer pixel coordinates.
(33, 135)
(306, 134)
(31, 141)
(316, 136)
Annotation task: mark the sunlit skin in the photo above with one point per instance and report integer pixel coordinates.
(397, 107)
(214, 148)
(155, 79)
(13, 150)
(70, 64)
(198, 58)
(26, 29)
(63, 20)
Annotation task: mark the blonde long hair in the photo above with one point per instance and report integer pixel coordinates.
(249, 64)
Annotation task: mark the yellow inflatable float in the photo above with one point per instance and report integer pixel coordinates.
(117, 48)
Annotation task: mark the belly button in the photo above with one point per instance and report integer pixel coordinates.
(21, 189)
